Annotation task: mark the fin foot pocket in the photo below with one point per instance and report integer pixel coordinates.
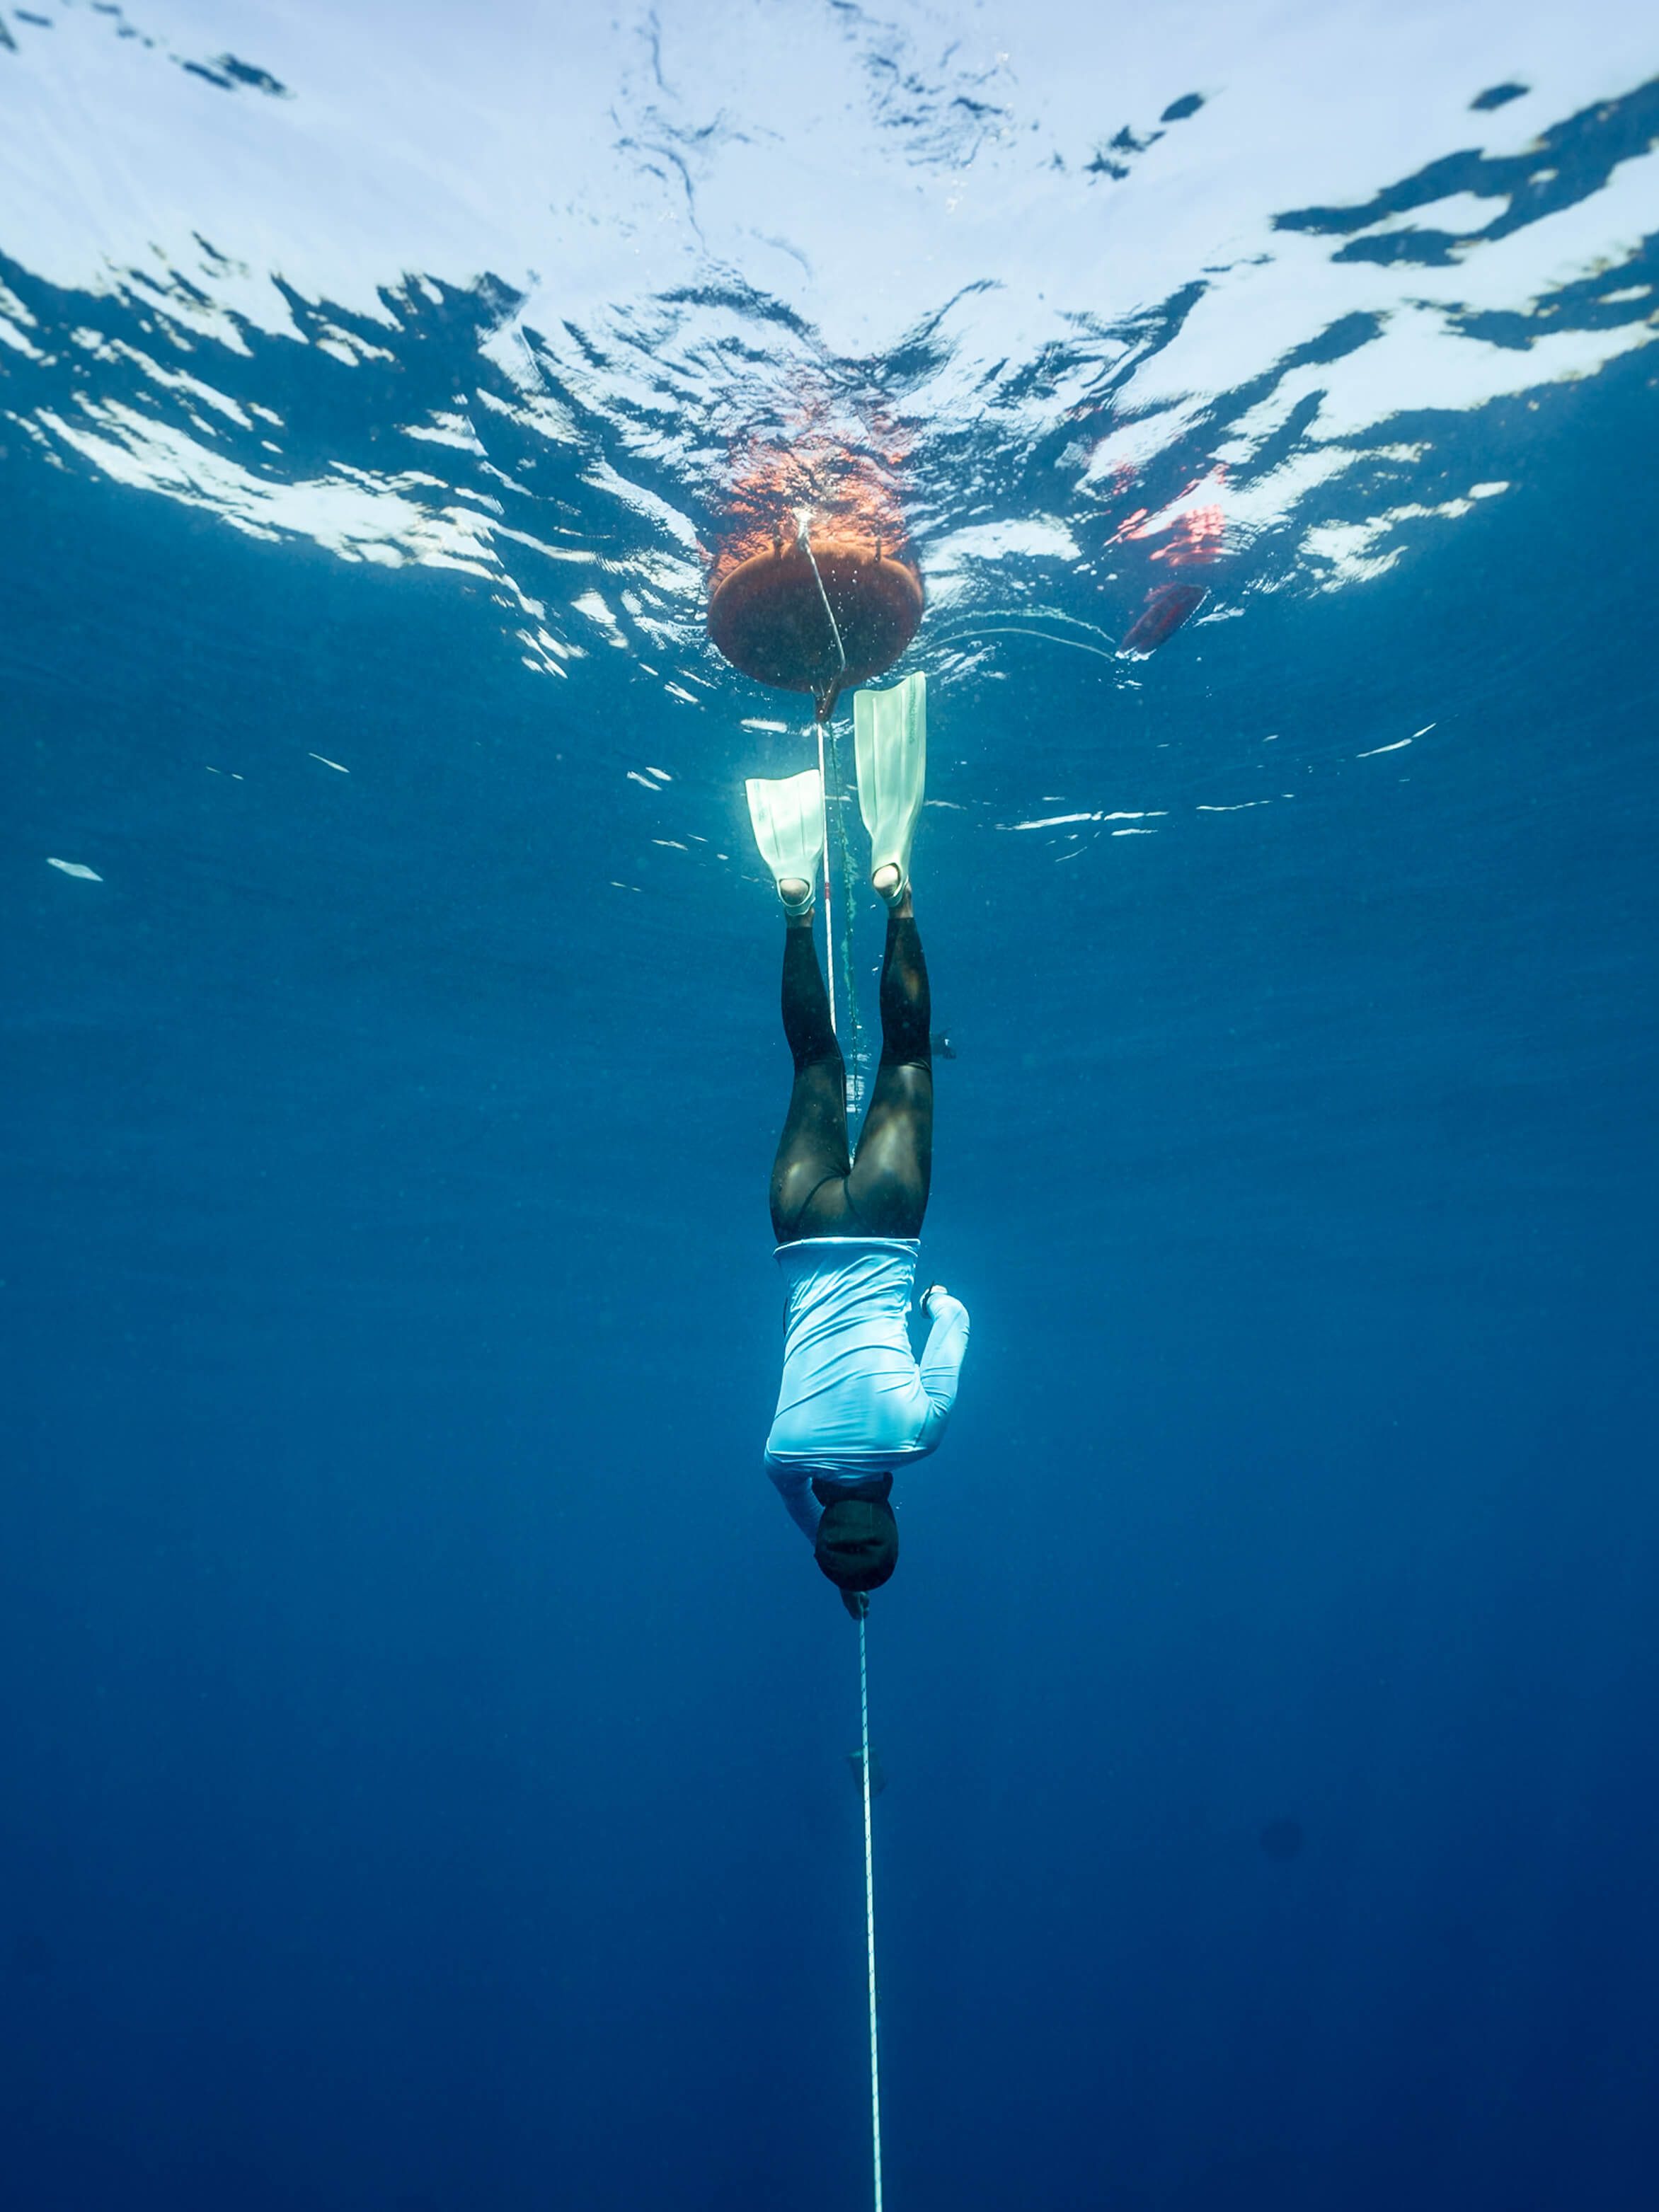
(787, 813)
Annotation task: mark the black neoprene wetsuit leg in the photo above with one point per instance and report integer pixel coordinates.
(818, 1189)
(813, 1159)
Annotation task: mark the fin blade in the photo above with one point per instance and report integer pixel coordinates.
(890, 743)
(787, 814)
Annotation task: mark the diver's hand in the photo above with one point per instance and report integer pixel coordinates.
(857, 1602)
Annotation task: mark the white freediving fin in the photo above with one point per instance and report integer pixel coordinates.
(787, 813)
(890, 740)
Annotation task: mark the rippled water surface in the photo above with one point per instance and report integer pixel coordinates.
(425, 1775)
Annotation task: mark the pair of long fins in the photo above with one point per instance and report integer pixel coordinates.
(890, 743)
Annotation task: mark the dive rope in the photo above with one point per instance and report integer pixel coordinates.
(829, 911)
(870, 1913)
(864, 1661)
(834, 805)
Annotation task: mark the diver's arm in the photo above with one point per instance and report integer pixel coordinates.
(941, 1360)
(795, 1486)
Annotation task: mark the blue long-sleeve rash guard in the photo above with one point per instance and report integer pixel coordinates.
(856, 1400)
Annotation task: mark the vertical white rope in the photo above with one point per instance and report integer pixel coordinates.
(826, 697)
(870, 1913)
(829, 918)
(806, 544)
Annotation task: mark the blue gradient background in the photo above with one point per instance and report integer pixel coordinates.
(422, 1740)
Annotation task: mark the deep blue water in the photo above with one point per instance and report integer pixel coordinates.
(423, 1741)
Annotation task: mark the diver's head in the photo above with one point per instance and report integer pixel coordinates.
(857, 1543)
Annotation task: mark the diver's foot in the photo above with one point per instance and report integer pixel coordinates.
(797, 896)
(893, 889)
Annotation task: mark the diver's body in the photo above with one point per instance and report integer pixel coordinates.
(855, 1404)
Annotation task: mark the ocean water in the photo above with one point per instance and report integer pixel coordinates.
(423, 1771)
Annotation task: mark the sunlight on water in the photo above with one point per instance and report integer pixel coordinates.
(1105, 353)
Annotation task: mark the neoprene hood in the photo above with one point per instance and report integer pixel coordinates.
(857, 1543)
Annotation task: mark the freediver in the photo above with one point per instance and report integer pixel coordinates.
(855, 1404)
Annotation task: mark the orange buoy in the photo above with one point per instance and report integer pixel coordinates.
(769, 617)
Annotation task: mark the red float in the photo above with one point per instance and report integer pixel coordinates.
(1165, 610)
(815, 614)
